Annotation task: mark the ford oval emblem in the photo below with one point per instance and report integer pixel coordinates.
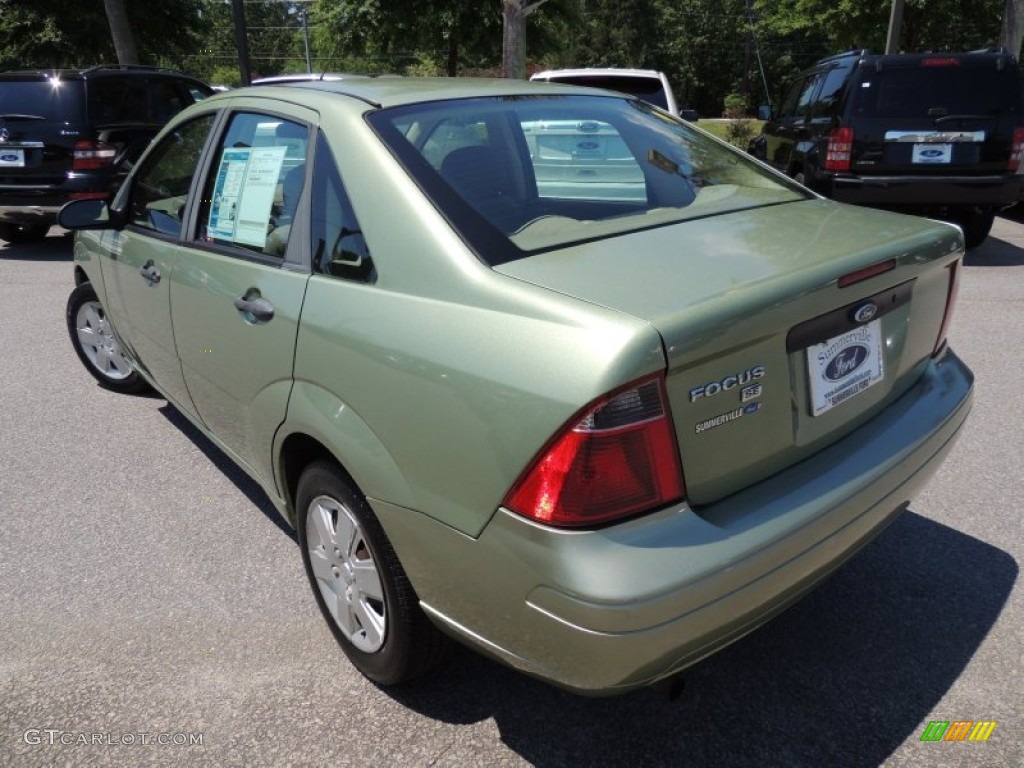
(932, 153)
(846, 362)
(866, 312)
(8, 158)
(587, 126)
(587, 145)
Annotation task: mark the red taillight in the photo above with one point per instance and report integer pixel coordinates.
(852, 278)
(941, 61)
(954, 288)
(1016, 150)
(840, 148)
(89, 155)
(618, 459)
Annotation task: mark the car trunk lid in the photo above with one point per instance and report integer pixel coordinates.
(749, 307)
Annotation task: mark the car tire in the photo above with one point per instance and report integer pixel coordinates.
(976, 225)
(358, 582)
(23, 233)
(97, 346)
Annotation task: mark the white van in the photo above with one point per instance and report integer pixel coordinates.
(647, 84)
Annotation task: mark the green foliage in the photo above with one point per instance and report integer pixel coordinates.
(56, 33)
(708, 48)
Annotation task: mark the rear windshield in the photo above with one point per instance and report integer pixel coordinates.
(647, 88)
(524, 174)
(951, 89)
(50, 100)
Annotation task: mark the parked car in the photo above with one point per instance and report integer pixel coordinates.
(74, 134)
(940, 134)
(647, 84)
(596, 438)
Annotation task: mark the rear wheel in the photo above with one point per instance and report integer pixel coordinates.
(976, 224)
(358, 582)
(23, 233)
(96, 345)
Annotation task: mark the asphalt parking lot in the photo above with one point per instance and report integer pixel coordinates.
(150, 600)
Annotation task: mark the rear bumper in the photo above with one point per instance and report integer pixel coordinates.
(925, 191)
(39, 203)
(605, 611)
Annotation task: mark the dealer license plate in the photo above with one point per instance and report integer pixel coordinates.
(932, 153)
(844, 366)
(12, 158)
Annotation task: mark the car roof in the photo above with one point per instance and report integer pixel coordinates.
(303, 77)
(82, 73)
(880, 59)
(603, 71)
(397, 91)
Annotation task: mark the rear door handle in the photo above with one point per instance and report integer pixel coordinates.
(258, 307)
(150, 273)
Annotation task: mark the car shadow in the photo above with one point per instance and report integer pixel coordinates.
(249, 487)
(995, 252)
(55, 247)
(842, 678)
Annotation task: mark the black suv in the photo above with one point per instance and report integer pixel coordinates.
(935, 133)
(74, 134)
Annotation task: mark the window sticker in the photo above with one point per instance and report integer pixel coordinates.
(244, 193)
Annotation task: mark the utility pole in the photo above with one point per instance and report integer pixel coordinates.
(892, 43)
(241, 41)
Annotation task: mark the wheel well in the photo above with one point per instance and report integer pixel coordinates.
(297, 453)
(80, 276)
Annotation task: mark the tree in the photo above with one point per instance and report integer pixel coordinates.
(54, 33)
(513, 40)
(121, 32)
(1012, 31)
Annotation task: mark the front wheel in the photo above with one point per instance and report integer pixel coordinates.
(358, 582)
(97, 346)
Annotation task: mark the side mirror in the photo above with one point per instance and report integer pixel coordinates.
(89, 214)
(765, 112)
(689, 115)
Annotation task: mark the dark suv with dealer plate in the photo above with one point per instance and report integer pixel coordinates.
(939, 134)
(75, 134)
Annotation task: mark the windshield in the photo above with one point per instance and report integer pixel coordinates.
(546, 171)
(51, 100)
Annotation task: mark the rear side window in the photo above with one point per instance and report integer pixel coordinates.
(339, 248)
(958, 89)
(150, 100)
(51, 99)
(831, 94)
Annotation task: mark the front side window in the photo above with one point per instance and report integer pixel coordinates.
(160, 189)
(532, 173)
(252, 193)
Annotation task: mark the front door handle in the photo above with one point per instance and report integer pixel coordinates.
(258, 307)
(150, 273)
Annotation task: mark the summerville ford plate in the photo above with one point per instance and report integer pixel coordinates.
(844, 366)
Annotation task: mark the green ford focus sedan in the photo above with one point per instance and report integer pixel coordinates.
(537, 367)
